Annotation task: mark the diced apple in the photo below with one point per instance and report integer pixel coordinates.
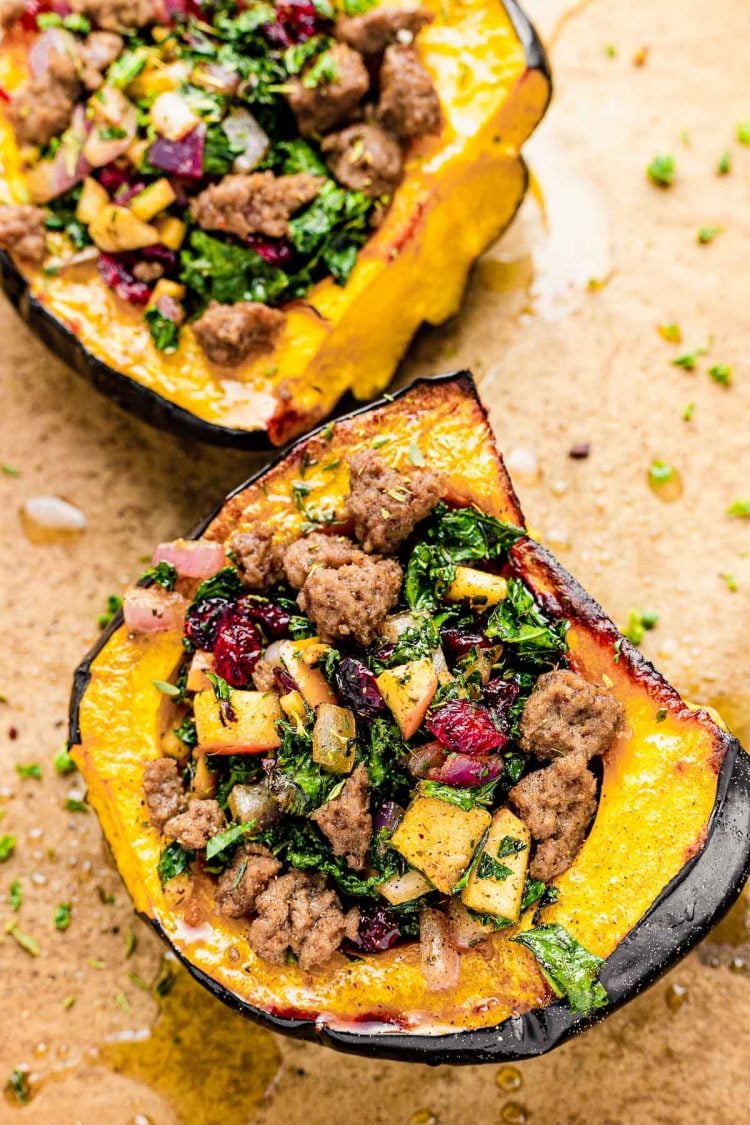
(334, 738)
(500, 894)
(408, 691)
(477, 586)
(116, 229)
(172, 116)
(205, 781)
(200, 665)
(91, 200)
(298, 659)
(295, 708)
(439, 838)
(153, 199)
(171, 231)
(166, 288)
(244, 724)
(405, 888)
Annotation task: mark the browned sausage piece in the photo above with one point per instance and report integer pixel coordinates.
(117, 15)
(193, 828)
(43, 107)
(351, 603)
(346, 819)
(566, 714)
(320, 107)
(298, 912)
(162, 786)
(409, 105)
(557, 803)
(249, 873)
(230, 334)
(371, 32)
(254, 203)
(258, 556)
(317, 549)
(22, 232)
(386, 505)
(365, 158)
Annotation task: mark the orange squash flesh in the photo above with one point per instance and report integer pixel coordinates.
(659, 787)
(460, 189)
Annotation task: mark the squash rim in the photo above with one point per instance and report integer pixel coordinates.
(153, 408)
(697, 897)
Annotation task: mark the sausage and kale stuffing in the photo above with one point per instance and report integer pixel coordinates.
(375, 736)
(215, 159)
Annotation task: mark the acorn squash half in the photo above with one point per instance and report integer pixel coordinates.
(461, 188)
(666, 855)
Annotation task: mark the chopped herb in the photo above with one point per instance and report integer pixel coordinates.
(15, 896)
(63, 762)
(509, 845)
(174, 860)
(96, 963)
(721, 373)
(165, 688)
(536, 891)
(570, 969)
(724, 164)
(131, 943)
(114, 605)
(11, 471)
(689, 360)
(688, 412)
(618, 649)
(465, 798)
(72, 804)
(731, 582)
(640, 621)
(226, 839)
(708, 234)
(7, 846)
(661, 714)
(163, 574)
(740, 508)
(489, 868)
(610, 51)
(139, 982)
(68, 1003)
(661, 170)
(222, 690)
(18, 1086)
(659, 472)
(672, 333)
(63, 916)
(32, 770)
(126, 68)
(165, 332)
(743, 133)
(123, 1003)
(27, 943)
(496, 921)
(224, 584)
(186, 731)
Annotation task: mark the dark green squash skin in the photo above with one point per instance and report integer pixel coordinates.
(688, 907)
(142, 401)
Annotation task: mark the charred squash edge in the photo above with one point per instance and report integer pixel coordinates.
(145, 403)
(682, 914)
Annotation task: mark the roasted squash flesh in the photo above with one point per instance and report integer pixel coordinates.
(461, 187)
(658, 792)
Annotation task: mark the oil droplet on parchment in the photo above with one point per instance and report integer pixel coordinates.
(675, 996)
(423, 1117)
(508, 1079)
(513, 1114)
(50, 519)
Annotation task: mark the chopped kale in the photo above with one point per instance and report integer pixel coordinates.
(163, 574)
(509, 845)
(570, 969)
(175, 860)
(224, 584)
(465, 798)
(489, 868)
(165, 332)
(520, 624)
(220, 846)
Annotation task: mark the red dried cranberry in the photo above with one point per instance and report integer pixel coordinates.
(284, 680)
(4, 95)
(459, 642)
(465, 727)
(33, 9)
(357, 688)
(117, 276)
(161, 254)
(500, 695)
(271, 617)
(462, 769)
(378, 929)
(296, 21)
(113, 178)
(237, 648)
(202, 622)
(273, 251)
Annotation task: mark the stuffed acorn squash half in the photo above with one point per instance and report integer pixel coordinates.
(380, 771)
(227, 214)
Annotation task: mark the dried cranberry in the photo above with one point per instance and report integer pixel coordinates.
(357, 688)
(378, 929)
(128, 190)
(202, 622)
(273, 618)
(466, 728)
(4, 95)
(500, 695)
(115, 273)
(161, 254)
(33, 9)
(296, 21)
(459, 643)
(462, 769)
(274, 251)
(237, 648)
(284, 680)
(113, 178)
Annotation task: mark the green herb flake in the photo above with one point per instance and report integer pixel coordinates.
(724, 164)
(165, 332)
(672, 333)
(63, 916)
(571, 970)
(31, 770)
(10, 470)
(27, 943)
(689, 361)
(166, 689)
(660, 472)
(661, 170)
(68, 1003)
(7, 846)
(743, 133)
(661, 714)
(219, 843)
(63, 762)
(163, 574)
(15, 896)
(489, 868)
(18, 1086)
(114, 605)
(640, 621)
(222, 690)
(72, 804)
(730, 581)
(610, 51)
(131, 944)
(688, 412)
(708, 234)
(123, 1003)
(721, 373)
(174, 860)
(738, 509)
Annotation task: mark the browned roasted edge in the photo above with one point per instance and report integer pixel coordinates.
(159, 412)
(709, 883)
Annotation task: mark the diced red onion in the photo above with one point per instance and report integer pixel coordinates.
(113, 110)
(388, 816)
(424, 758)
(152, 609)
(441, 962)
(244, 132)
(53, 40)
(181, 158)
(462, 769)
(465, 931)
(49, 178)
(192, 558)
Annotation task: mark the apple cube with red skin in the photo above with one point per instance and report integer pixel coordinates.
(408, 691)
